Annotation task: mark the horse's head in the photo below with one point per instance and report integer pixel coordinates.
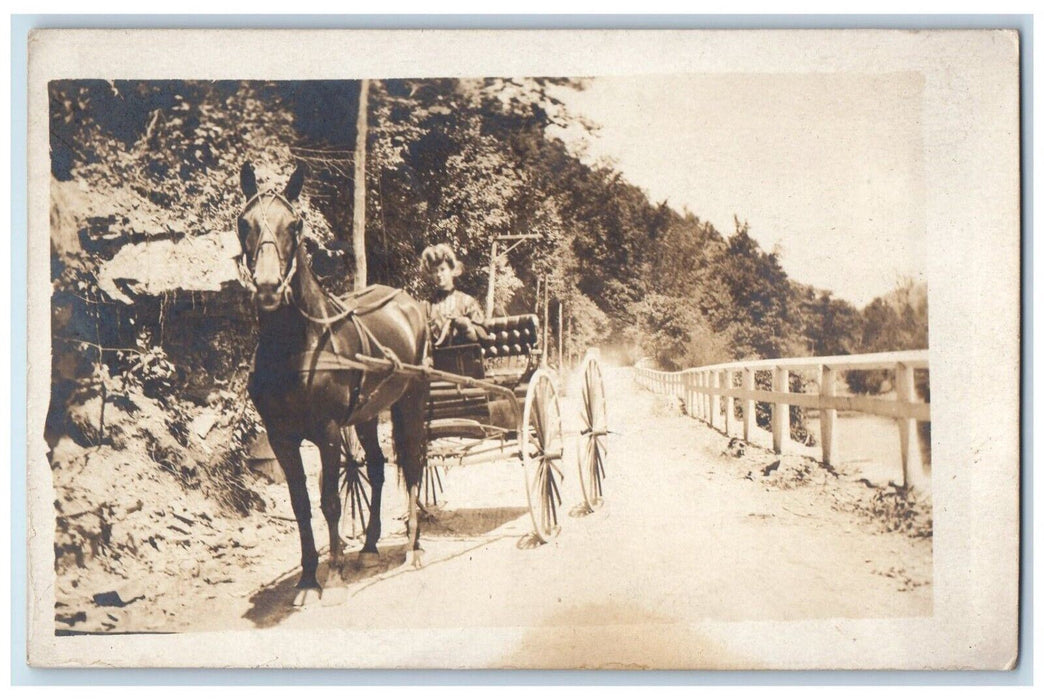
(269, 228)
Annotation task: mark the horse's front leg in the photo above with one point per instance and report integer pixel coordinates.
(375, 461)
(288, 452)
(330, 452)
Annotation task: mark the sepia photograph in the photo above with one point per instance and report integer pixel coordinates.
(502, 366)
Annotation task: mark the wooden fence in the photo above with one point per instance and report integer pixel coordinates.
(704, 388)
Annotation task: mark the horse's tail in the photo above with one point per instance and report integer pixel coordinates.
(409, 431)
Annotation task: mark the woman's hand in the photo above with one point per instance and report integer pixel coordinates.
(459, 329)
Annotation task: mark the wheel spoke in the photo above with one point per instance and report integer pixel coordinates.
(554, 488)
(365, 496)
(551, 493)
(600, 464)
(537, 478)
(538, 418)
(555, 469)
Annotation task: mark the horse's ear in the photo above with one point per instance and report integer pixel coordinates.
(293, 187)
(248, 180)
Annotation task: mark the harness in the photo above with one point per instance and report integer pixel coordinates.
(353, 306)
(267, 237)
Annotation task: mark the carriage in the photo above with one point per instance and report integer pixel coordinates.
(324, 364)
(494, 399)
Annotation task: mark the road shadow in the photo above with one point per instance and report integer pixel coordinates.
(272, 604)
(466, 522)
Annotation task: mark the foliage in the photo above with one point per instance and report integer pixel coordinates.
(463, 161)
(895, 321)
(831, 326)
(148, 368)
(177, 144)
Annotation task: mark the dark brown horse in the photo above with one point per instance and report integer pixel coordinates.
(305, 385)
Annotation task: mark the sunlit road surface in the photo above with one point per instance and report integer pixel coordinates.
(684, 565)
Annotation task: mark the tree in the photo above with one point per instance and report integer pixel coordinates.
(832, 326)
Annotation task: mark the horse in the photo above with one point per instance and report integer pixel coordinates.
(306, 386)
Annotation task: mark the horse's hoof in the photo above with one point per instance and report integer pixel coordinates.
(415, 559)
(307, 596)
(368, 560)
(334, 595)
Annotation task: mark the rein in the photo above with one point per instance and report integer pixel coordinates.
(345, 310)
(267, 237)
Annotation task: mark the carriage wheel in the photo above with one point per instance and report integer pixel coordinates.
(593, 431)
(540, 441)
(354, 487)
(431, 485)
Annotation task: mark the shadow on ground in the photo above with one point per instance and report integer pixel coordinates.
(272, 603)
(466, 522)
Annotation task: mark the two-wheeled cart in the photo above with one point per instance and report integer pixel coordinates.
(495, 399)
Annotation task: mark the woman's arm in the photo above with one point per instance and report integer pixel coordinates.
(472, 309)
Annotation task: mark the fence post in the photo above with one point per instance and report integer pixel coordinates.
(690, 393)
(780, 411)
(726, 382)
(748, 404)
(696, 396)
(707, 397)
(904, 389)
(827, 416)
(715, 401)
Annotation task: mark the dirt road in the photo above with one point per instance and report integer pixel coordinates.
(691, 533)
(694, 533)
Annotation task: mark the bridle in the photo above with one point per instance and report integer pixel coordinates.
(267, 237)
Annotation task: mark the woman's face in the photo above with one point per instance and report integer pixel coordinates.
(444, 276)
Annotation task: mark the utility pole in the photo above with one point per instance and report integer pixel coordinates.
(518, 239)
(547, 351)
(561, 340)
(492, 280)
(359, 205)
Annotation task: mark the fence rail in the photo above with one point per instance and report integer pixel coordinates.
(703, 388)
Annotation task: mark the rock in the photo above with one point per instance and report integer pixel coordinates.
(246, 540)
(259, 449)
(214, 574)
(65, 450)
(228, 242)
(203, 423)
(269, 469)
(71, 619)
(125, 595)
(182, 518)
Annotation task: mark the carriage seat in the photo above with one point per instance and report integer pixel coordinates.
(508, 336)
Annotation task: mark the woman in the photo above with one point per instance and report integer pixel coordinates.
(451, 313)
